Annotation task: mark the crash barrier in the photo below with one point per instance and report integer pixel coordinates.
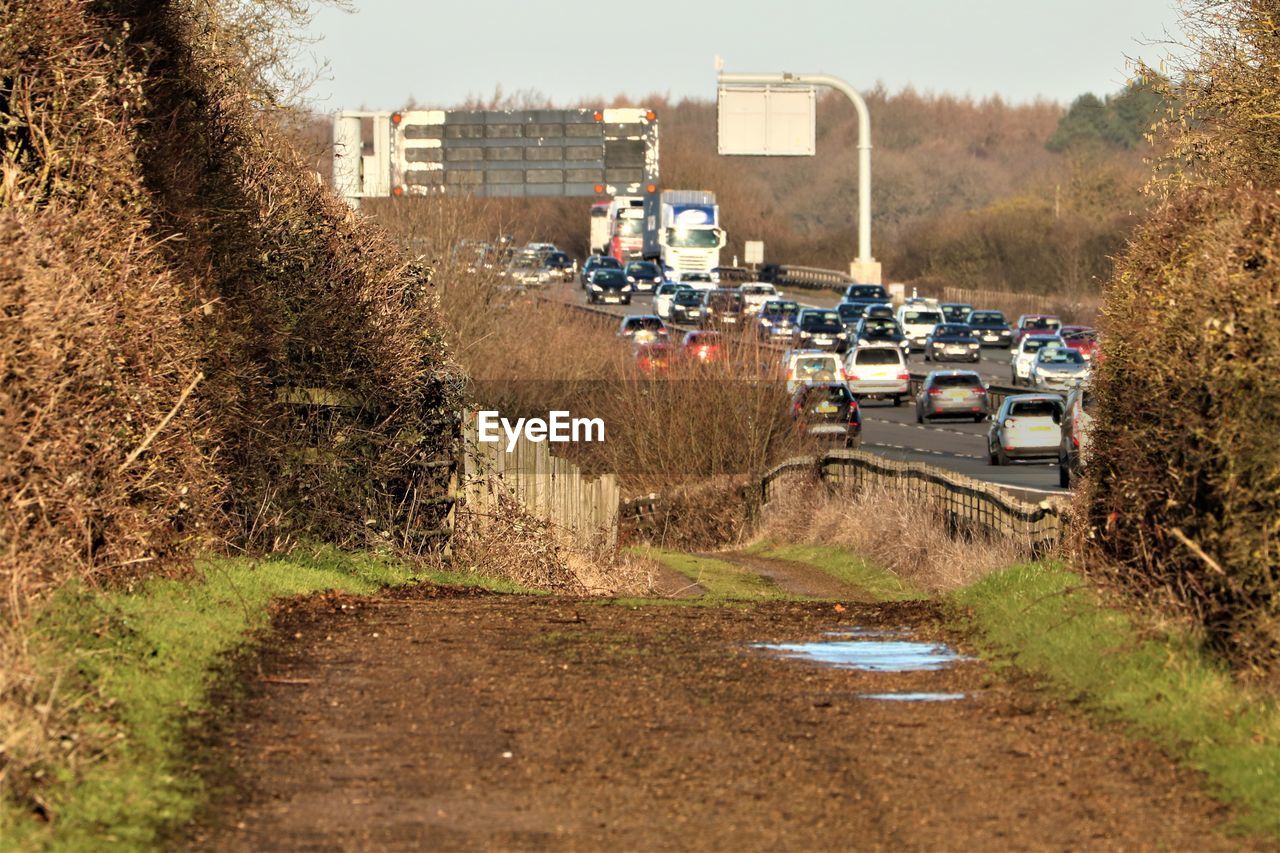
(969, 507)
(546, 486)
(1013, 304)
(810, 277)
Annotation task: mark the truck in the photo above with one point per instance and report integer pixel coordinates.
(682, 231)
(626, 228)
(599, 239)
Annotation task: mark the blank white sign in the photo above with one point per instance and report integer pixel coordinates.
(773, 121)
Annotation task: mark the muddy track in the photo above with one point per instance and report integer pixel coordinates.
(530, 722)
(794, 578)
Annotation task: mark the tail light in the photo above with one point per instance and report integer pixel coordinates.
(904, 376)
(844, 377)
(934, 392)
(979, 390)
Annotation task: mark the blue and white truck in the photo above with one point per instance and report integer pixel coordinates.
(682, 231)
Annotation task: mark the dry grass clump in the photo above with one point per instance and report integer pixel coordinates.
(1184, 483)
(889, 529)
(533, 553)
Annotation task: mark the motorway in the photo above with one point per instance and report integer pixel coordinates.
(958, 446)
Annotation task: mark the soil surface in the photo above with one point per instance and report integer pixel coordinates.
(446, 719)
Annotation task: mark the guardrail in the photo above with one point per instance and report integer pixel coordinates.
(815, 278)
(968, 506)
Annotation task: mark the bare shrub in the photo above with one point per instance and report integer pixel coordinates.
(891, 530)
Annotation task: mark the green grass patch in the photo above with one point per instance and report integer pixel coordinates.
(1160, 682)
(845, 566)
(722, 581)
(137, 663)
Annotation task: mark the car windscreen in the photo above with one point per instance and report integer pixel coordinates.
(948, 330)
(1042, 323)
(608, 276)
(1033, 343)
(877, 356)
(849, 311)
(724, 301)
(986, 318)
(866, 291)
(642, 268)
(920, 318)
(814, 365)
(880, 327)
(689, 297)
(1060, 355)
(788, 308)
(1034, 409)
(820, 318)
(637, 323)
(957, 380)
(757, 289)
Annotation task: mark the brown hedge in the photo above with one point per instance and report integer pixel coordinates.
(171, 277)
(1184, 498)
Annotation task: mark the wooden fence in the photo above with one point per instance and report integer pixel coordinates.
(546, 486)
(968, 506)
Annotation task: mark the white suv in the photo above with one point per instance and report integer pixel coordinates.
(917, 322)
(878, 371)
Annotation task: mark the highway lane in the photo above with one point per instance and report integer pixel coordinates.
(958, 446)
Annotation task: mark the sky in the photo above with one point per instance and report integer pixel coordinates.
(440, 53)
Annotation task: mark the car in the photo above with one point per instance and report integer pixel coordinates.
(777, 319)
(1035, 324)
(917, 322)
(1024, 353)
(597, 262)
(643, 328)
(703, 346)
(866, 293)
(755, 294)
(665, 295)
(955, 312)
(542, 250)
(526, 270)
(558, 264)
(686, 307)
(722, 307)
(1058, 368)
(655, 356)
(807, 366)
(951, 392)
(1077, 420)
(952, 342)
(878, 371)
(991, 328)
(1082, 339)
(820, 328)
(876, 331)
(608, 285)
(698, 280)
(850, 313)
(644, 276)
(827, 412)
(879, 310)
(1027, 426)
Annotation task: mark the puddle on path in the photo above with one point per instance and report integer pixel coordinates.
(881, 654)
(913, 697)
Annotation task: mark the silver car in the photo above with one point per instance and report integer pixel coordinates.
(1058, 368)
(1028, 426)
(952, 392)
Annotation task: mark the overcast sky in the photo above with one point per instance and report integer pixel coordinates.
(441, 52)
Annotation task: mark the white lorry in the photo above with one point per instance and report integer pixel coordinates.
(682, 231)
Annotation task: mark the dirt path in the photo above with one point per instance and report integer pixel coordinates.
(523, 722)
(794, 578)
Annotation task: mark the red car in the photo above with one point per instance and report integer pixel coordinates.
(703, 346)
(1082, 339)
(655, 357)
(1035, 324)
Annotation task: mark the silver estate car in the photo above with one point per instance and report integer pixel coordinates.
(952, 392)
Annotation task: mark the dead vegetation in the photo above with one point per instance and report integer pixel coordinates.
(890, 529)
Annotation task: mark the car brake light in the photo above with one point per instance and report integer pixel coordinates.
(844, 377)
(979, 390)
(1075, 442)
(904, 376)
(934, 392)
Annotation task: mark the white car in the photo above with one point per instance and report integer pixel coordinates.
(698, 280)
(664, 296)
(755, 294)
(1025, 353)
(1026, 427)
(808, 366)
(917, 322)
(878, 371)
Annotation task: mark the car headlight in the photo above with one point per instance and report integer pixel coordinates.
(595, 286)
(805, 335)
(862, 342)
(631, 279)
(973, 346)
(765, 321)
(842, 334)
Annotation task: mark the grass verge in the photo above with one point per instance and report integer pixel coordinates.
(1159, 681)
(129, 668)
(845, 566)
